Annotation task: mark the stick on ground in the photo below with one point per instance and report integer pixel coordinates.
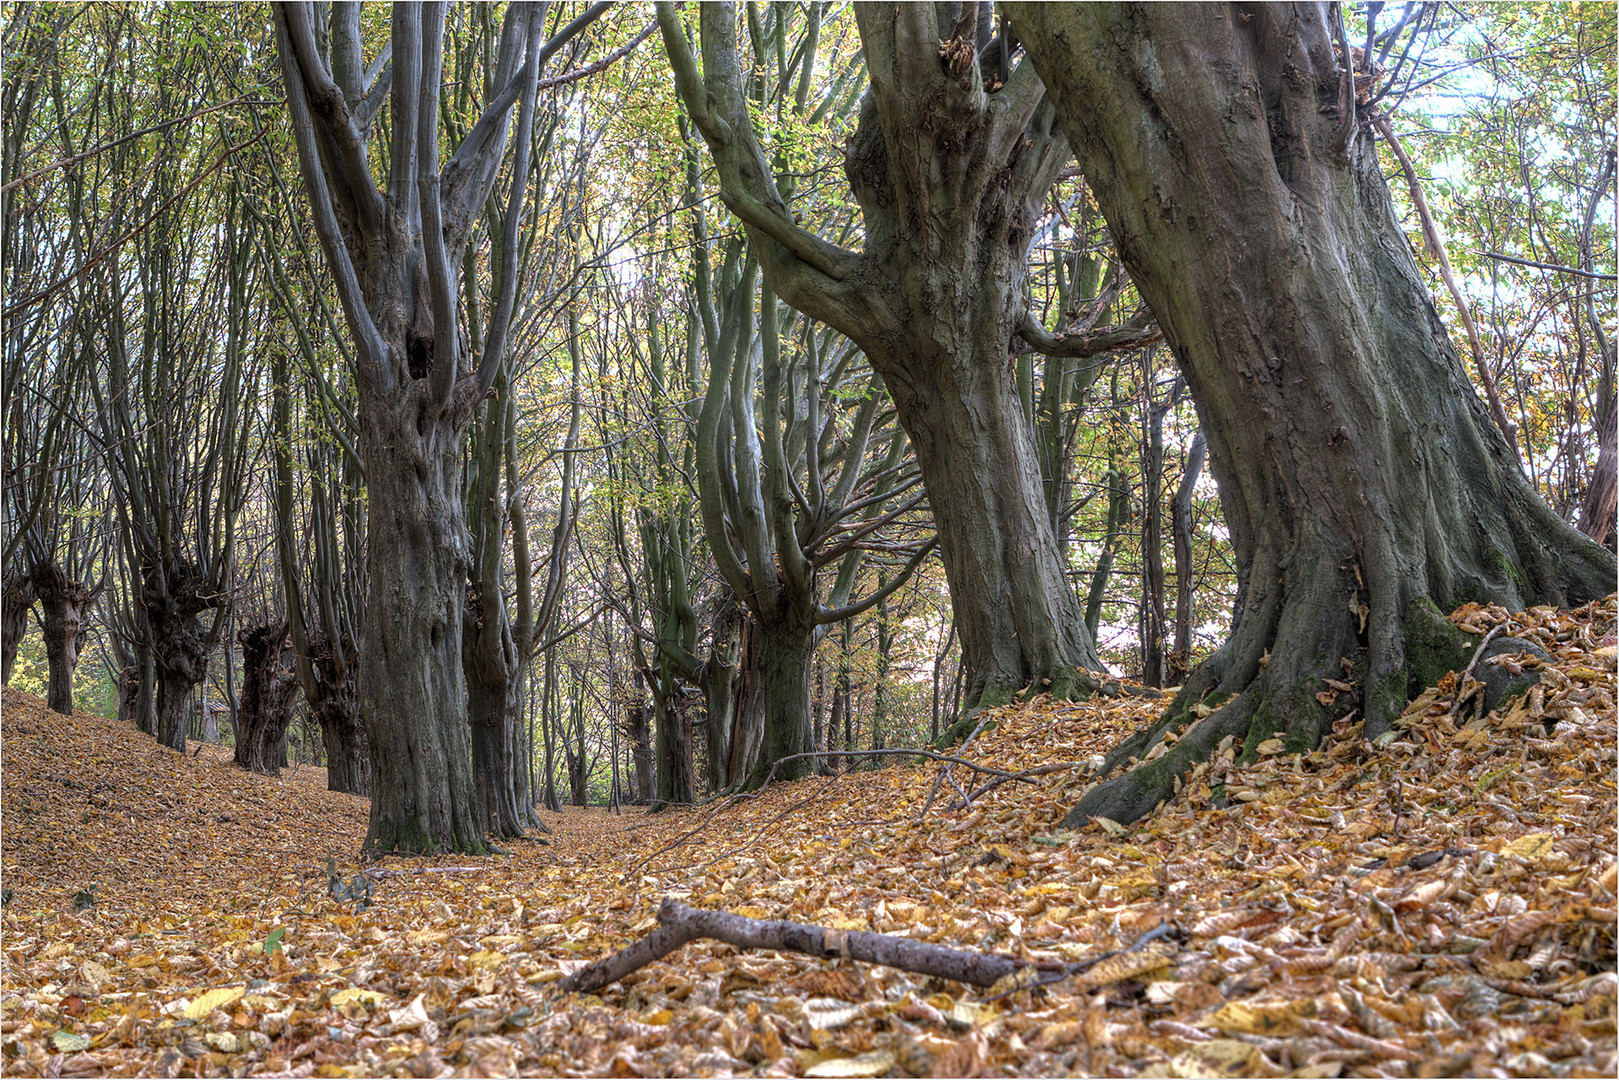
(680, 924)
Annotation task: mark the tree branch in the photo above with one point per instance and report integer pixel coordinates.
(681, 924)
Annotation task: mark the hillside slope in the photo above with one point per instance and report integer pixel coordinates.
(1443, 906)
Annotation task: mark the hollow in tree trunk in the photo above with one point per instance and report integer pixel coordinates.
(268, 690)
(1365, 487)
(64, 603)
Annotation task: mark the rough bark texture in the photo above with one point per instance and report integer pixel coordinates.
(1363, 482)
(786, 651)
(64, 603)
(949, 166)
(492, 712)
(268, 690)
(175, 599)
(411, 686)
(335, 705)
(18, 594)
(680, 924)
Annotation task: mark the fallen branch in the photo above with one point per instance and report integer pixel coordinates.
(378, 873)
(680, 924)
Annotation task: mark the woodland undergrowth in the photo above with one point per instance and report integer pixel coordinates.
(1444, 905)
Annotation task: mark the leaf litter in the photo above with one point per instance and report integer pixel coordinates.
(1441, 905)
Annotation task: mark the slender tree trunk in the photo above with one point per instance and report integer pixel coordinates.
(1180, 517)
(64, 603)
(1365, 486)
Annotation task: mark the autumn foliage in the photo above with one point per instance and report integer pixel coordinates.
(1444, 905)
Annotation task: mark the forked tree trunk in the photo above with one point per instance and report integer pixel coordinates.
(268, 690)
(950, 166)
(1364, 484)
(63, 604)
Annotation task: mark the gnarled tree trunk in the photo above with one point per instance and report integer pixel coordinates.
(64, 604)
(1364, 484)
(268, 689)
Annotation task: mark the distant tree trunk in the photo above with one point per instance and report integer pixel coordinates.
(1366, 488)
(639, 731)
(175, 600)
(336, 709)
(268, 690)
(493, 706)
(1180, 517)
(721, 679)
(64, 604)
(1154, 621)
(18, 595)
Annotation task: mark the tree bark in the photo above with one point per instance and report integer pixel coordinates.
(1364, 483)
(949, 167)
(681, 924)
(1180, 517)
(175, 600)
(64, 603)
(268, 690)
(786, 649)
(18, 595)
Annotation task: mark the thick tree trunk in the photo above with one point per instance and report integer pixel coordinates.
(948, 223)
(786, 649)
(1364, 484)
(16, 596)
(174, 602)
(268, 690)
(335, 705)
(673, 782)
(412, 690)
(63, 605)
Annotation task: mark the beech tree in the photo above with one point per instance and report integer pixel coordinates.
(395, 254)
(954, 152)
(1364, 483)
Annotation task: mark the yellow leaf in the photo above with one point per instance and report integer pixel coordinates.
(1263, 1018)
(1531, 848)
(214, 999)
(427, 937)
(875, 1063)
(1272, 746)
(485, 958)
(355, 995)
(1220, 1057)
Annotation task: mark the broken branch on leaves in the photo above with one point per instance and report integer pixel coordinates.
(680, 924)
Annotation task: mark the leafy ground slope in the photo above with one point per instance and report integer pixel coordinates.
(1444, 906)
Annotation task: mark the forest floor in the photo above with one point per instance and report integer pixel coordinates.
(1441, 906)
